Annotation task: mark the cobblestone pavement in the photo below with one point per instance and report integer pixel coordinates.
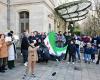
(64, 71)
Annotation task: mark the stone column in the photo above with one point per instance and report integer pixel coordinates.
(8, 14)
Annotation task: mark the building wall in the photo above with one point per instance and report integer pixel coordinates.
(48, 23)
(14, 16)
(41, 15)
(14, 2)
(37, 18)
(50, 3)
(3, 1)
(3, 18)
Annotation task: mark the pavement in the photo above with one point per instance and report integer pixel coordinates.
(62, 71)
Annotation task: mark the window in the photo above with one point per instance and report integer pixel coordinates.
(22, 27)
(24, 14)
(23, 21)
(49, 27)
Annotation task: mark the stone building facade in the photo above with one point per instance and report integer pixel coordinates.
(32, 15)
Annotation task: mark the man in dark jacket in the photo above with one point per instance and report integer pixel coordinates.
(72, 51)
(24, 47)
(31, 38)
(38, 38)
(98, 58)
(98, 46)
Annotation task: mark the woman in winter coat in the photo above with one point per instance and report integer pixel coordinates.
(32, 58)
(3, 53)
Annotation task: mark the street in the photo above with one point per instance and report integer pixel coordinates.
(64, 71)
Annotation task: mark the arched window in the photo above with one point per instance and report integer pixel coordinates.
(24, 15)
(23, 21)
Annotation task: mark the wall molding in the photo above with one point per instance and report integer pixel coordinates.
(3, 3)
(31, 3)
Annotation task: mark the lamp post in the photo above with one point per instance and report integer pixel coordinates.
(8, 14)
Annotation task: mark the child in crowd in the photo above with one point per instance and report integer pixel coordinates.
(93, 51)
(72, 51)
(87, 53)
(32, 59)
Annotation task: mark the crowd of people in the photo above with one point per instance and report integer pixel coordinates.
(7, 51)
(30, 44)
(89, 46)
(27, 39)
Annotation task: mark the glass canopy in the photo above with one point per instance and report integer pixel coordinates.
(76, 19)
(73, 11)
(74, 15)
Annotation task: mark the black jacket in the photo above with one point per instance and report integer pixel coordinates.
(24, 43)
(71, 48)
(98, 42)
(31, 38)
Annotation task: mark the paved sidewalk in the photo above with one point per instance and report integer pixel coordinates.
(64, 71)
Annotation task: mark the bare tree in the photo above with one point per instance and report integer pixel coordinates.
(97, 12)
(92, 24)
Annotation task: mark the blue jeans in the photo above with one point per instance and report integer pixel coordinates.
(78, 53)
(87, 57)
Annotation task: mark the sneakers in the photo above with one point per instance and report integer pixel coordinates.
(94, 61)
(26, 63)
(73, 63)
(67, 62)
(1, 70)
(85, 61)
(97, 62)
(33, 75)
(88, 62)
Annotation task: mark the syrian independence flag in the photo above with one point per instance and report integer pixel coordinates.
(50, 42)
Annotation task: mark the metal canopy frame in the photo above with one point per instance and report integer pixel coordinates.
(73, 11)
(75, 15)
(76, 19)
